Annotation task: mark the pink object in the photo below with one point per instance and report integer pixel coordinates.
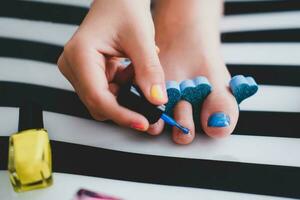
(83, 194)
(138, 126)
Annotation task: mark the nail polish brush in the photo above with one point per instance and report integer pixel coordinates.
(131, 97)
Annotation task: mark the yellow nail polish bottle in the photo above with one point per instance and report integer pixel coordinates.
(29, 159)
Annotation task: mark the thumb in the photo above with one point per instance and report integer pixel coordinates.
(149, 74)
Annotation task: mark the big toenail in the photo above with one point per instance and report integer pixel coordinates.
(219, 119)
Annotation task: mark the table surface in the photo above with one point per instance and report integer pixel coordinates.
(250, 152)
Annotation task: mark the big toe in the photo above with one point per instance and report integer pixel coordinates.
(219, 113)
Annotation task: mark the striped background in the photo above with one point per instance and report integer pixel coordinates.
(260, 161)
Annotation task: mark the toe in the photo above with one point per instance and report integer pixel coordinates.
(183, 114)
(157, 128)
(219, 114)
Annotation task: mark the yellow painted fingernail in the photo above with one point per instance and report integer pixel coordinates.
(157, 92)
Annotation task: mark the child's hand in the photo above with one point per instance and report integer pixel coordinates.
(114, 28)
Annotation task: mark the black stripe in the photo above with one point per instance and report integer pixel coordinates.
(248, 7)
(268, 74)
(50, 99)
(43, 11)
(277, 124)
(25, 49)
(219, 175)
(260, 123)
(283, 35)
(74, 14)
(264, 74)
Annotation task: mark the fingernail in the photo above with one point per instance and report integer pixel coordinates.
(219, 120)
(157, 49)
(156, 92)
(125, 62)
(138, 126)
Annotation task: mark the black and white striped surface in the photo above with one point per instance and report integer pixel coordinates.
(259, 161)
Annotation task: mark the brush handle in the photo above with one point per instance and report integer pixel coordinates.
(131, 97)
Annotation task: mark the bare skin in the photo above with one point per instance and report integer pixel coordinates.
(112, 29)
(188, 35)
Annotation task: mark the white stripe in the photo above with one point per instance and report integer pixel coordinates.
(66, 185)
(274, 98)
(49, 32)
(45, 74)
(261, 21)
(40, 73)
(34, 72)
(11, 117)
(249, 149)
(244, 53)
(262, 53)
(38, 31)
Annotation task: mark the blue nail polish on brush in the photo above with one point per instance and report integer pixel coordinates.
(172, 122)
(218, 120)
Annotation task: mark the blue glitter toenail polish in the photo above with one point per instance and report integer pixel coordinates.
(219, 120)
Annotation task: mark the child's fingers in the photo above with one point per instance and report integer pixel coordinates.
(149, 74)
(118, 72)
(65, 70)
(88, 68)
(113, 88)
(108, 105)
(157, 128)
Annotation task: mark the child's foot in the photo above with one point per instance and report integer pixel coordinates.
(185, 53)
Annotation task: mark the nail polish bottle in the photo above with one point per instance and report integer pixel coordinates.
(29, 159)
(131, 97)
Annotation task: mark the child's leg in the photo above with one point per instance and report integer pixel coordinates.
(188, 35)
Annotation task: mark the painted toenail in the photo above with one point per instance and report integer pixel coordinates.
(219, 120)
